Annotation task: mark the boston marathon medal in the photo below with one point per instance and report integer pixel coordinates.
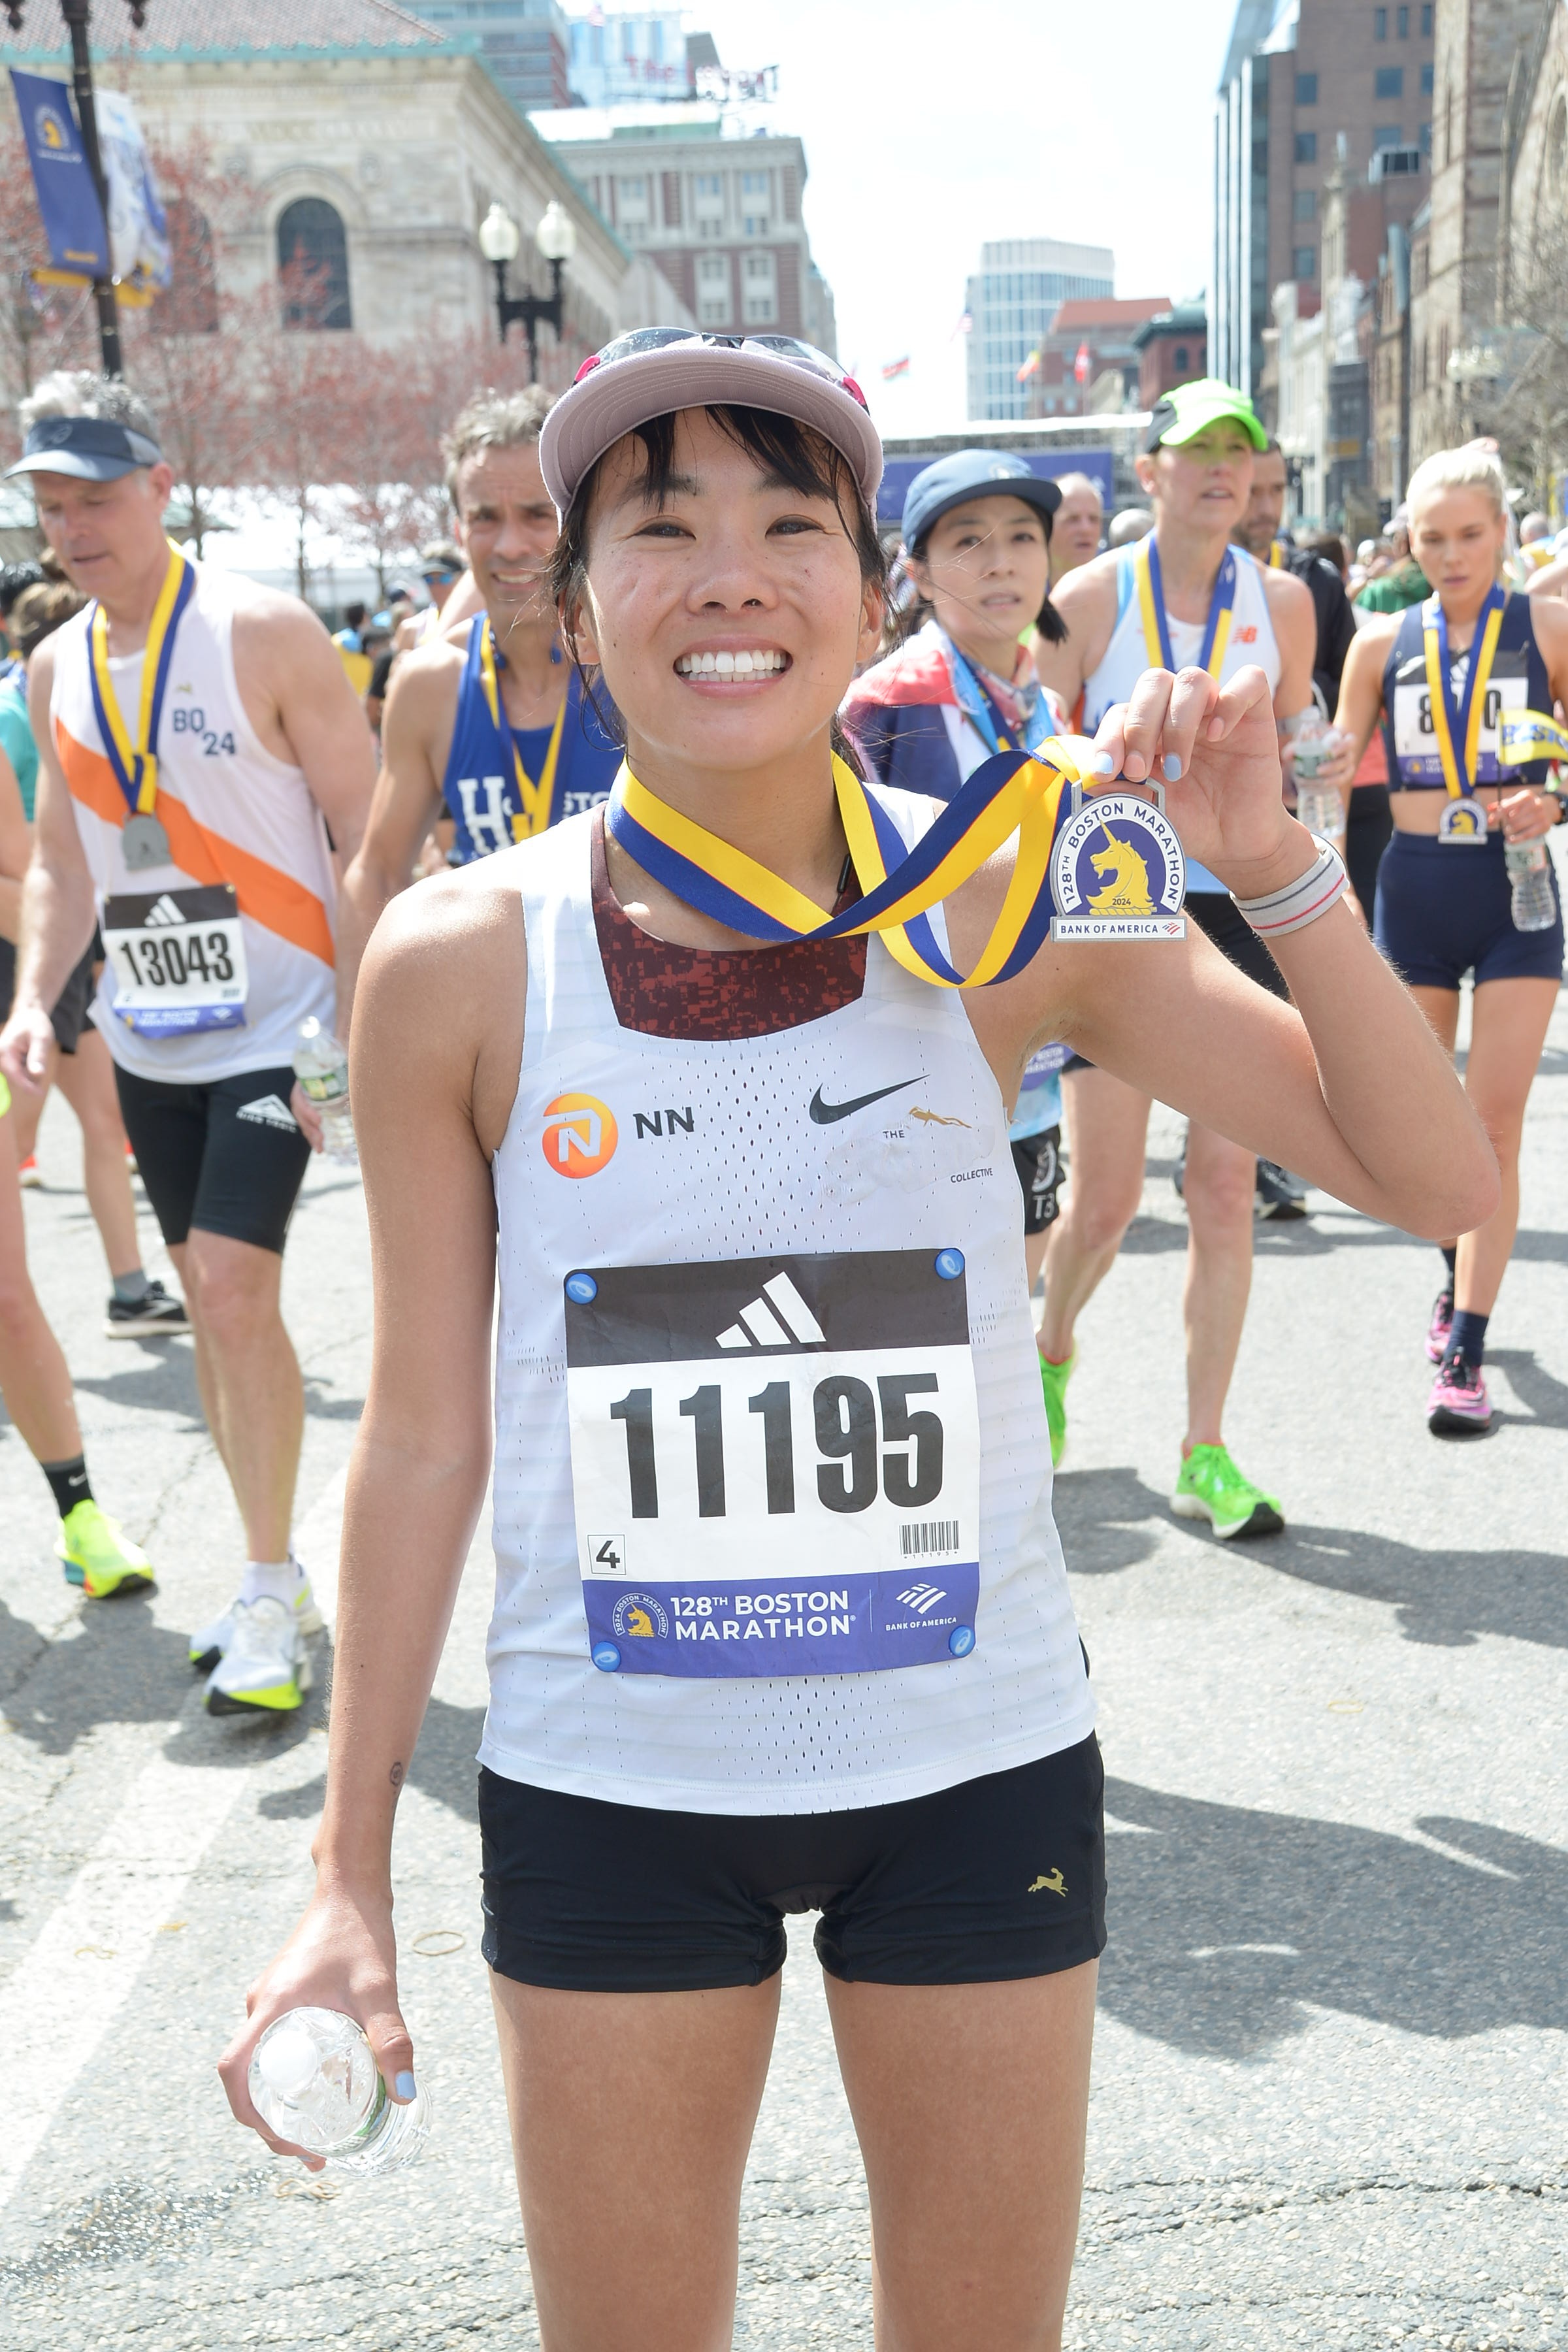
(1117, 871)
(1465, 821)
(144, 844)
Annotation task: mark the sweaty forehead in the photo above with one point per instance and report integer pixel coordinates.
(512, 473)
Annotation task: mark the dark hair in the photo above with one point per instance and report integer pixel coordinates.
(1327, 543)
(901, 624)
(14, 578)
(39, 611)
(353, 614)
(805, 460)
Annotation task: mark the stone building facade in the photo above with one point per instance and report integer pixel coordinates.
(375, 145)
(719, 212)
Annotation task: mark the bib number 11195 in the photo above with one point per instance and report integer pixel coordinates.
(776, 1463)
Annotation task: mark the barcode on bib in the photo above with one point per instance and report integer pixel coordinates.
(925, 1537)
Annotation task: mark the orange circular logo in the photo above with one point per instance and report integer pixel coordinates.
(580, 1135)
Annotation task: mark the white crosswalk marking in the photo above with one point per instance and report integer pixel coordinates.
(65, 1992)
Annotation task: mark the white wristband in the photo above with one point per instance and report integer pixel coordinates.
(1300, 902)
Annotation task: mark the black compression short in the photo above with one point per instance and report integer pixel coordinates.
(1220, 920)
(1039, 1161)
(224, 1156)
(997, 1878)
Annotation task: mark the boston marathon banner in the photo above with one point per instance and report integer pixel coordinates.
(67, 200)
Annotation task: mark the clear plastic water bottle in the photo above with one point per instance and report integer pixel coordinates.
(1321, 810)
(1530, 871)
(321, 1067)
(313, 2080)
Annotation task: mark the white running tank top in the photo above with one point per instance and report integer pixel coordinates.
(705, 1152)
(1126, 658)
(234, 813)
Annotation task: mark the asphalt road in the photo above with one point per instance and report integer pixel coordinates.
(1330, 2067)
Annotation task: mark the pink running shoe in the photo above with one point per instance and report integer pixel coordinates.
(1458, 1405)
(1442, 1323)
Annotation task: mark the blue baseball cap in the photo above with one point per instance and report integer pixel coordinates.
(89, 448)
(972, 473)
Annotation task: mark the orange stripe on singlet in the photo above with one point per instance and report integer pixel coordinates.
(268, 896)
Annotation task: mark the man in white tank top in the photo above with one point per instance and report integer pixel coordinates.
(1187, 594)
(196, 737)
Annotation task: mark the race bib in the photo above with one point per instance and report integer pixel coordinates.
(776, 1463)
(1416, 738)
(178, 959)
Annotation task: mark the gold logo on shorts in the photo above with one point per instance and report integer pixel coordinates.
(1054, 1885)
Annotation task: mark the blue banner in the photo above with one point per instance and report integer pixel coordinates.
(67, 200)
(900, 472)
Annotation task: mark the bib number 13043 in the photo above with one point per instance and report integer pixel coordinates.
(776, 1463)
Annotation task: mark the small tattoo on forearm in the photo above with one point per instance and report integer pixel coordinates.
(396, 1775)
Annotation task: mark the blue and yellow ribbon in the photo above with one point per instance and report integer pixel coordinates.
(1013, 794)
(1458, 731)
(1151, 604)
(1526, 735)
(533, 798)
(135, 765)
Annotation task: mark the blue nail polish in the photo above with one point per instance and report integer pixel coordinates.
(1172, 769)
(403, 2085)
(1103, 764)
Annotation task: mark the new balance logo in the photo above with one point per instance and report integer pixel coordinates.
(268, 1111)
(792, 1325)
(922, 1598)
(163, 910)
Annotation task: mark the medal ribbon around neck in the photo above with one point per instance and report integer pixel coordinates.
(135, 765)
(534, 798)
(1014, 793)
(1523, 736)
(1151, 603)
(1458, 732)
(984, 713)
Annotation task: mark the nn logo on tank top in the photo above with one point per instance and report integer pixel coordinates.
(580, 1135)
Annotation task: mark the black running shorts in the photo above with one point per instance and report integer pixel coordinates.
(224, 1156)
(1039, 1161)
(1219, 918)
(994, 1879)
(69, 1014)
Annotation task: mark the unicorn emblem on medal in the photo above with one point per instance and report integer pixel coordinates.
(1117, 870)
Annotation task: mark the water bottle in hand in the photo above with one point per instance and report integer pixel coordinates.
(1321, 811)
(313, 2080)
(321, 1067)
(1530, 872)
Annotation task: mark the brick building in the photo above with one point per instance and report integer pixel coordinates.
(717, 212)
(1171, 349)
(1105, 330)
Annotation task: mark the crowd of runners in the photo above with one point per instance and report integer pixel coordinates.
(716, 896)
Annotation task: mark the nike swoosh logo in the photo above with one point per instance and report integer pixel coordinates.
(825, 1114)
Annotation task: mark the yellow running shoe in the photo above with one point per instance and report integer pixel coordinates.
(99, 1556)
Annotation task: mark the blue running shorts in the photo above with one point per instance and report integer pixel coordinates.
(1443, 911)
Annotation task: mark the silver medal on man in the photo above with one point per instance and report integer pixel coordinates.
(144, 844)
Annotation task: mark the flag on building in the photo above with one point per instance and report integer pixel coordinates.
(1081, 366)
(893, 368)
(1031, 367)
(965, 325)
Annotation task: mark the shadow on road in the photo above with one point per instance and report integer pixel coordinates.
(1228, 1927)
(1110, 1521)
(444, 1767)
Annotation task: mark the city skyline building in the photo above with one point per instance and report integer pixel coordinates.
(1010, 302)
(525, 44)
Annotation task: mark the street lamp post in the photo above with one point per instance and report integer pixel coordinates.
(556, 238)
(74, 13)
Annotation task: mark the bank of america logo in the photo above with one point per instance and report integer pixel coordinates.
(163, 910)
(788, 1322)
(922, 1598)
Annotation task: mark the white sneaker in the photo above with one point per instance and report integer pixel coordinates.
(265, 1669)
(208, 1642)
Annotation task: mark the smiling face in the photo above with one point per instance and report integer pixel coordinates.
(506, 523)
(107, 534)
(985, 569)
(1205, 484)
(727, 617)
(1458, 538)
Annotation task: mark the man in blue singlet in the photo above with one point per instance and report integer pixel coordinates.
(488, 726)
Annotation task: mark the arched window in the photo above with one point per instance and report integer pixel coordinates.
(313, 264)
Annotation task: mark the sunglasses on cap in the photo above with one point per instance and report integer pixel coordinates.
(437, 579)
(642, 340)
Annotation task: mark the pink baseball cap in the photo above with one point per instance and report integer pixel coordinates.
(655, 370)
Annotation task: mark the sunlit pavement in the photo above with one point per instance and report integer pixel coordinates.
(1329, 2089)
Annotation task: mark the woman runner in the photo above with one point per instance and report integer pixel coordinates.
(1438, 676)
(748, 1313)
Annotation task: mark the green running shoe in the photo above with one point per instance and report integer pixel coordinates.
(1211, 1487)
(97, 1555)
(1053, 1379)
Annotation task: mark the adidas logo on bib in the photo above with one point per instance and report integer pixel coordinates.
(792, 1326)
(163, 911)
(268, 1110)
